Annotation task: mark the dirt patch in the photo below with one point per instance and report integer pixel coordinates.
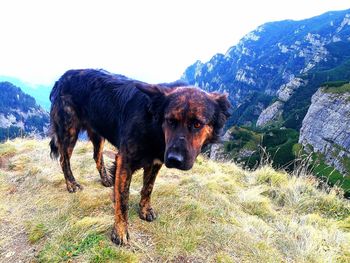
(16, 249)
(4, 161)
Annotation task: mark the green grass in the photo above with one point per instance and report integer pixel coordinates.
(216, 212)
(329, 174)
(36, 233)
(346, 163)
(337, 90)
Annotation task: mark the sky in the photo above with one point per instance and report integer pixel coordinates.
(150, 40)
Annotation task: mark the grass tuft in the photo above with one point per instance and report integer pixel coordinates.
(36, 233)
(270, 176)
(7, 149)
(345, 224)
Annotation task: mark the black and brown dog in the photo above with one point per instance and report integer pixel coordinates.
(149, 124)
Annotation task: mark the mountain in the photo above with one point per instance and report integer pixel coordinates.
(19, 114)
(216, 212)
(270, 64)
(41, 93)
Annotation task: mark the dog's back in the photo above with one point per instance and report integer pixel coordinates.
(92, 100)
(96, 101)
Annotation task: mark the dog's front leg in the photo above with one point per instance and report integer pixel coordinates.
(149, 176)
(123, 174)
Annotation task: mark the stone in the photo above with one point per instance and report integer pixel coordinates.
(326, 127)
(270, 114)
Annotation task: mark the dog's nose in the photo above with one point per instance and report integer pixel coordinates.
(174, 160)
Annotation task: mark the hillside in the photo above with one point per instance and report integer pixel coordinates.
(40, 93)
(274, 62)
(216, 212)
(19, 114)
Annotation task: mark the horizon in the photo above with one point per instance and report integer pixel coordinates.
(149, 41)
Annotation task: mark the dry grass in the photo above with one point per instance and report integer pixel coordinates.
(216, 212)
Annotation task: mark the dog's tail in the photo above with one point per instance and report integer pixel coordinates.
(55, 101)
(54, 154)
(54, 94)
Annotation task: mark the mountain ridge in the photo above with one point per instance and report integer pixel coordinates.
(19, 114)
(272, 55)
(39, 92)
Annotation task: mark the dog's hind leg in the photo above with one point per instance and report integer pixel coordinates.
(66, 149)
(98, 143)
(65, 128)
(149, 176)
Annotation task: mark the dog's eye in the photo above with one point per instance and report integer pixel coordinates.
(171, 122)
(196, 125)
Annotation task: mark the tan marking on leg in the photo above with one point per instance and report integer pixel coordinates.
(121, 192)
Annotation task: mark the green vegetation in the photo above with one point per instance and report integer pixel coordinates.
(329, 174)
(216, 212)
(345, 88)
(346, 163)
(334, 84)
(10, 133)
(281, 148)
(244, 138)
(36, 233)
(278, 145)
(247, 113)
(96, 245)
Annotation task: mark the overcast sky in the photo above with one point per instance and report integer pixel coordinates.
(151, 40)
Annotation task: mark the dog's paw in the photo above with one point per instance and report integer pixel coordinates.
(147, 214)
(73, 186)
(107, 180)
(120, 238)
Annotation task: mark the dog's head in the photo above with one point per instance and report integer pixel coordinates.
(190, 118)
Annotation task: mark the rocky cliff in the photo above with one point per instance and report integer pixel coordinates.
(273, 113)
(19, 114)
(326, 126)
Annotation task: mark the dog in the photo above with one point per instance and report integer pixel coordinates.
(149, 124)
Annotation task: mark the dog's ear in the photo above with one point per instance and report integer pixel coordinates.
(153, 90)
(158, 98)
(223, 111)
(223, 102)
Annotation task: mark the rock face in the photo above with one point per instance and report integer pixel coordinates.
(286, 91)
(270, 114)
(217, 150)
(326, 128)
(273, 112)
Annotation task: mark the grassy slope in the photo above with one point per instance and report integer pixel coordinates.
(338, 90)
(216, 212)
